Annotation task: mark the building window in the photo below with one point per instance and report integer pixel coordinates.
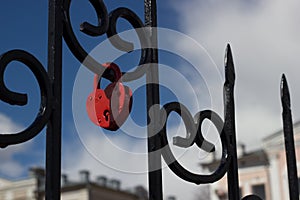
(259, 190)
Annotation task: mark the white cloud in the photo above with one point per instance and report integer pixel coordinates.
(265, 41)
(105, 155)
(115, 155)
(7, 125)
(101, 158)
(264, 36)
(10, 166)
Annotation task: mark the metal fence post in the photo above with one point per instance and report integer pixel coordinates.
(153, 98)
(289, 140)
(53, 138)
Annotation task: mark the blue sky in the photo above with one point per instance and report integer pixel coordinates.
(25, 27)
(265, 40)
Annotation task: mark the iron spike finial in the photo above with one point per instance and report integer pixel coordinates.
(229, 124)
(285, 94)
(289, 139)
(229, 66)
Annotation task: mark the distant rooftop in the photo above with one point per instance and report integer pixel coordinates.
(101, 185)
(251, 159)
(279, 132)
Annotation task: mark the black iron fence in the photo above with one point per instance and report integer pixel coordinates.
(50, 84)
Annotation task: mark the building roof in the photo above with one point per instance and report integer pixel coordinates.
(94, 186)
(279, 132)
(252, 159)
(101, 186)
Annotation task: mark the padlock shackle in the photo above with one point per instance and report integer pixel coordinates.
(109, 107)
(108, 66)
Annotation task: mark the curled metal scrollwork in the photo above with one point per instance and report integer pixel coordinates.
(21, 99)
(107, 24)
(133, 19)
(86, 27)
(194, 135)
(103, 22)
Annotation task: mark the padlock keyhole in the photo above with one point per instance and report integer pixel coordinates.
(106, 115)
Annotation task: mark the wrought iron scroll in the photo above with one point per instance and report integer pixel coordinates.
(106, 25)
(157, 137)
(14, 98)
(50, 99)
(50, 83)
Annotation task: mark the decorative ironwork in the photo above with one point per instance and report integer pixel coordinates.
(14, 98)
(50, 84)
(107, 25)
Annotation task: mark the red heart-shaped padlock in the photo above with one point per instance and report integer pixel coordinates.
(109, 108)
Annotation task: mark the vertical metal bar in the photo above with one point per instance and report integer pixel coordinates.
(53, 138)
(229, 125)
(289, 140)
(152, 78)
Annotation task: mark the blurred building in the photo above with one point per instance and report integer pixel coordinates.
(262, 172)
(33, 188)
